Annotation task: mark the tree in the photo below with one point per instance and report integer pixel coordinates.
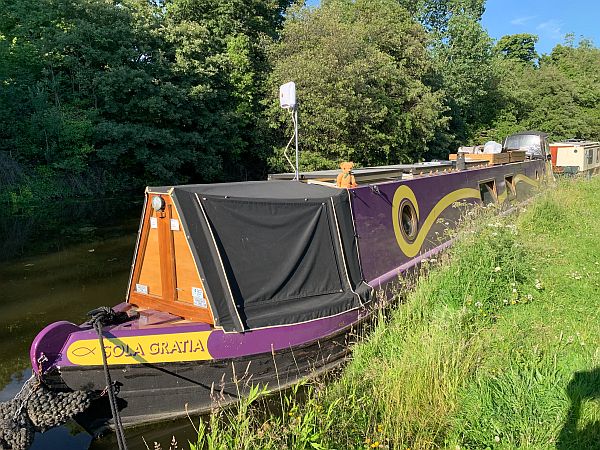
(239, 32)
(560, 97)
(99, 95)
(358, 66)
(435, 15)
(463, 73)
(520, 47)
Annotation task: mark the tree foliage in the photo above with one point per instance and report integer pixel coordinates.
(463, 73)
(358, 67)
(435, 15)
(561, 96)
(520, 47)
(104, 95)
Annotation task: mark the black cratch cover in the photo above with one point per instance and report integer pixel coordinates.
(273, 252)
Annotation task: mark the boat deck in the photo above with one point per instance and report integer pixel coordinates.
(380, 173)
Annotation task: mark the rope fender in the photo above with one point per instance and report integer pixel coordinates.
(37, 409)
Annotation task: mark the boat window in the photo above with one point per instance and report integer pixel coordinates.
(487, 190)
(408, 220)
(590, 157)
(510, 187)
(530, 143)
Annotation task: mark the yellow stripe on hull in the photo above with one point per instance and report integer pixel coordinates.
(155, 348)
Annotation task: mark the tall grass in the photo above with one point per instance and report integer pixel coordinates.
(497, 346)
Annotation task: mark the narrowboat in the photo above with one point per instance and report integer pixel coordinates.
(261, 283)
(575, 156)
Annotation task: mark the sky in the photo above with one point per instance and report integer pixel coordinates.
(551, 20)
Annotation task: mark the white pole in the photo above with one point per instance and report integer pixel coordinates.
(296, 134)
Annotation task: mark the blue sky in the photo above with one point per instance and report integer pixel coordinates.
(549, 19)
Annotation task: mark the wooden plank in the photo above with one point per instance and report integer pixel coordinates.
(150, 265)
(186, 272)
(146, 270)
(185, 310)
(167, 254)
(165, 265)
(492, 158)
(517, 156)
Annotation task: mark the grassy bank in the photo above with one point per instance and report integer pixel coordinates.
(498, 346)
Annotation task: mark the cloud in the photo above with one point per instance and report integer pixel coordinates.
(551, 28)
(522, 20)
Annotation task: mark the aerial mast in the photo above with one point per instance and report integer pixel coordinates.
(287, 100)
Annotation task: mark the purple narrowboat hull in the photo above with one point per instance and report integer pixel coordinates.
(165, 367)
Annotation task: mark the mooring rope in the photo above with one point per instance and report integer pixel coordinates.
(99, 317)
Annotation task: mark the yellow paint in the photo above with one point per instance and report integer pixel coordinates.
(523, 178)
(502, 197)
(155, 348)
(404, 192)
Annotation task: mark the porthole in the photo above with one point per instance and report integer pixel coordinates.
(408, 221)
(511, 190)
(487, 191)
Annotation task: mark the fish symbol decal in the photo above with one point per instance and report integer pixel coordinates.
(83, 351)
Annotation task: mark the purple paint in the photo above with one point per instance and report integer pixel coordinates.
(381, 257)
(221, 345)
(46, 348)
(230, 345)
(384, 279)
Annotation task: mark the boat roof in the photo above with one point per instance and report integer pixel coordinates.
(530, 132)
(368, 173)
(268, 190)
(573, 143)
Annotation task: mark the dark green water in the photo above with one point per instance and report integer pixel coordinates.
(58, 263)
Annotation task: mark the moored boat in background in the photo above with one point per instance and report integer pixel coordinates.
(575, 156)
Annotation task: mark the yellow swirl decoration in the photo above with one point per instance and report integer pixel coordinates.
(502, 197)
(405, 193)
(523, 178)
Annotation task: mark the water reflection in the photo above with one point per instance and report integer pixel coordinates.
(58, 263)
(57, 266)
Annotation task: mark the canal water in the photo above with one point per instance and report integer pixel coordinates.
(57, 263)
